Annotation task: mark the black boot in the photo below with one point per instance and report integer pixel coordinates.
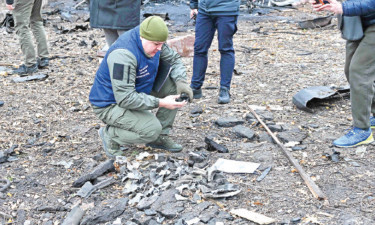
(43, 63)
(24, 70)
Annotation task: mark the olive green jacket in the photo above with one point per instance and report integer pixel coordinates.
(125, 93)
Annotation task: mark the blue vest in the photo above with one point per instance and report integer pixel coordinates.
(101, 93)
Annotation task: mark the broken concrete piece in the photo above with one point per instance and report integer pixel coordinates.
(228, 122)
(292, 136)
(252, 216)
(103, 168)
(183, 45)
(40, 77)
(305, 97)
(275, 127)
(170, 210)
(244, 132)
(231, 166)
(74, 216)
(103, 215)
(146, 203)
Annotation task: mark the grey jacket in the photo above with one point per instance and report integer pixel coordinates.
(115, 14)
(217, 7)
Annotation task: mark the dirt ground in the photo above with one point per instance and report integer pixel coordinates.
(51, 122)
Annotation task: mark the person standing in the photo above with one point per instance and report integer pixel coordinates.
(359, 70)
(212, 15)
(114, 17)
(27, 15)
(124, 90)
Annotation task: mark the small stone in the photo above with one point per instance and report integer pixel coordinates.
(296, 220)
(299, 148)
(196, 110)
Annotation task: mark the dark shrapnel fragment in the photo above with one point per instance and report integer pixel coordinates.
(213, 146)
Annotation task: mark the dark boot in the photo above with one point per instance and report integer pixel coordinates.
(166, 143)
(111, 148)
(43, 63)
(224, 96)
(24, 70)
(197, 93)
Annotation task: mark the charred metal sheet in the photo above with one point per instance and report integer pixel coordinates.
(308, 95)
(315, 23)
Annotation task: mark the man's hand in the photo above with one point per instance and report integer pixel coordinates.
(193, 13)
(10, 7)
(183, 87)
(169, 102)
(333, 6)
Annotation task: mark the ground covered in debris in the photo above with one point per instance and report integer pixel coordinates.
(49, 147)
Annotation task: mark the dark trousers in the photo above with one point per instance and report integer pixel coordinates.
(205, 28)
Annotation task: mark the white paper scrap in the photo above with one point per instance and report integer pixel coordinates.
(233, 166)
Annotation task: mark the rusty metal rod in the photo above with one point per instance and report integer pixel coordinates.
(315, 190)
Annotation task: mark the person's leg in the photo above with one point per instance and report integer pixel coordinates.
(204, 33)
(22, 13)
(226, 28)
(166, 118)
(111, 36)
(128, 126)
(361, 75)
(36, 24)
(351, 47)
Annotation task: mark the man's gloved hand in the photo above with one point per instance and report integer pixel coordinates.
(183, 86)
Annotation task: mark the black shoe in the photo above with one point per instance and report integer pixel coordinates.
(224, 96)
(197, 93)
(43, 62)
(24, 70)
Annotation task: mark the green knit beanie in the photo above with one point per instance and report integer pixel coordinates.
(154, 29)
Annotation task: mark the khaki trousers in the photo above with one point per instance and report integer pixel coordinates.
(360, 73)
(27, 14)
(126, 126)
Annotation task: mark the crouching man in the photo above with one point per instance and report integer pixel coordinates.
(127, 86)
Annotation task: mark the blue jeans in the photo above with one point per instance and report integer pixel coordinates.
(205, 28)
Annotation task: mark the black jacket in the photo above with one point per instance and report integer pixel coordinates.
(115, 14)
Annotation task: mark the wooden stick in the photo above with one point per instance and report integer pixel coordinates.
(6, 64)
(80, 3)
(315, 190)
